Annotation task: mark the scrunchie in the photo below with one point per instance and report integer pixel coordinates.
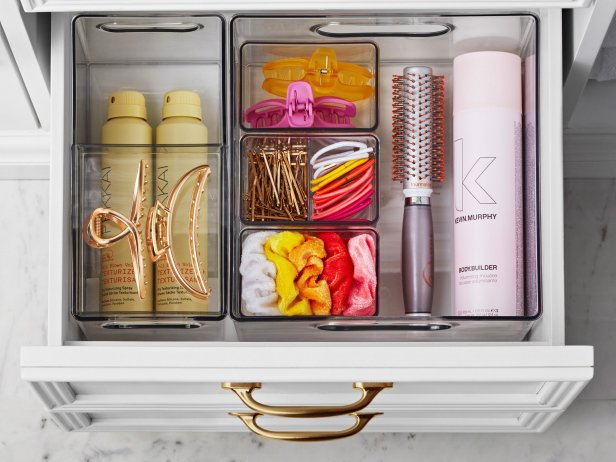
(258, 274)
(308, 259)
(277, 249)
(338, 271)
(362, 297)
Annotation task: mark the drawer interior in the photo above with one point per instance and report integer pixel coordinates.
(157, 54)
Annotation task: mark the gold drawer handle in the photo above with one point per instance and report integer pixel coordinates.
(250, 420)
(369, 391)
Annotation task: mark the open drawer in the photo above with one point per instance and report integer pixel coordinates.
(520, 385)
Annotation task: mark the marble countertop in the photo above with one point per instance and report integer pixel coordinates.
(586, 432)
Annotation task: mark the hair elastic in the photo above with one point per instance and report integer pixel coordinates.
(335, 174)
(323, 169)
(346, 178)
(351, 210)
(323, 199)
(365, 194)
(339, 144)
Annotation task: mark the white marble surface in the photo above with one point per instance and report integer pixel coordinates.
(590, 276)
(586, 432)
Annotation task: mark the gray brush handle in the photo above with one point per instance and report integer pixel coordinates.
(417, 257)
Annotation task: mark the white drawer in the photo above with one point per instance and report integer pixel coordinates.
(178, 387)
(513, 386)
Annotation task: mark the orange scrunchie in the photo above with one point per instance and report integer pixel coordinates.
(308, 259)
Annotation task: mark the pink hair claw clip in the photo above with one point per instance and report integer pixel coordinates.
(301, 110)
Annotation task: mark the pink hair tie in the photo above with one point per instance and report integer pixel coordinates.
(350, 210)
(344, 204)
(334, 204)
(332, 197)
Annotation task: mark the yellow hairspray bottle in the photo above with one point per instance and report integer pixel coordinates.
(126, 124)
(181, 125)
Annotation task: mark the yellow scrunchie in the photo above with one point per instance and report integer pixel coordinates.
(308, 259)
(277, 249)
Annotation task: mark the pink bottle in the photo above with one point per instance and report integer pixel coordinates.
(488, 224)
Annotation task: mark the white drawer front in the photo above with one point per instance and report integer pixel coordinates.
(434, 389)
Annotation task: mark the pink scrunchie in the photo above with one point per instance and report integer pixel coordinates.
(362, 298)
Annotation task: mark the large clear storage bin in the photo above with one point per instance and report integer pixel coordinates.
(400, 41)
(159, 278)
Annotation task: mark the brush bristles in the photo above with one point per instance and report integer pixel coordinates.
(418, 133)
(438, 128)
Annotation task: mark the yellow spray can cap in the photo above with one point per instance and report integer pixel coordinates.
(126, 104)
(182, 103)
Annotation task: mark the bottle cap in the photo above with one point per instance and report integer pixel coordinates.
(487, 79)
(182, 103)
(126, 104)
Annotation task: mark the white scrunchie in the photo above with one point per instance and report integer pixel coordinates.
(258, 277)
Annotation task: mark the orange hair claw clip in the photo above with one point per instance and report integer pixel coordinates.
(326, 75)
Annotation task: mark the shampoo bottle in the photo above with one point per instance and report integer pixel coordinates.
(181, 125)
(488, 209)
(126, 124)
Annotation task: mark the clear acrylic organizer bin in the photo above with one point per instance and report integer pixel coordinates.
(151, 54)
(250, 266)
(298, 152)
(105, 278)
(400, 41)
(267, 70)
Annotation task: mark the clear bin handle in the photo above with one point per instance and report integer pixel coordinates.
(123, 27)
(338, 29)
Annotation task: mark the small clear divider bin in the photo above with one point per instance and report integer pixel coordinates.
(299, 85)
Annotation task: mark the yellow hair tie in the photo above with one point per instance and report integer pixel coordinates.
(318, 183)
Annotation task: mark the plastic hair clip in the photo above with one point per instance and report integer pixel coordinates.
(128, 226)
(326, 75)
(301, 110)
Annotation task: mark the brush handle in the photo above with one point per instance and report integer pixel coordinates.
(417, 256)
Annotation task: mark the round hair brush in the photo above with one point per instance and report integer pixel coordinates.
(418, 160)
